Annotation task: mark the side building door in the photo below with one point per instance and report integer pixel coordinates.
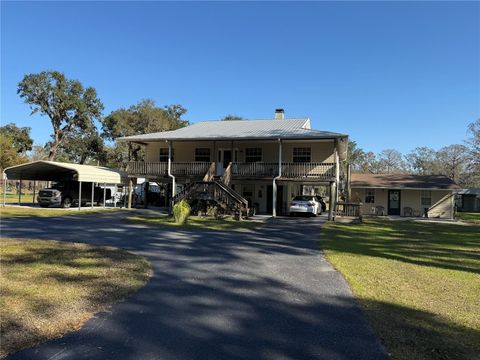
(394, 199)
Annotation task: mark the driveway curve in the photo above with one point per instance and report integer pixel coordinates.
(249, 294)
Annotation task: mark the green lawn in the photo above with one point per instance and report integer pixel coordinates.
(48, 288)
(469, 217)
(17, 211)
(13, 198)
(196, 222)
(419, 283)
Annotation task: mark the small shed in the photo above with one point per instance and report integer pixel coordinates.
(59, 171)
(468, 200)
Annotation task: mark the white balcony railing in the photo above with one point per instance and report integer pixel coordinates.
(161, 168)
(289, 170)
(258, 169)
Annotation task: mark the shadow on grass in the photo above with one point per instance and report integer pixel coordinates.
(413, 334)
(49, 288)
(442, 245)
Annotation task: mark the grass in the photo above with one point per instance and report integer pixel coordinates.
(419, 283)
(469, 217)
(17, 211)
(49, 288)
(196, 222)
(13, 198)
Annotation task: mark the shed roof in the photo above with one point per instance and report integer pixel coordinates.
(471, 191)
(292, 128)
(55, 171)
(402, 181)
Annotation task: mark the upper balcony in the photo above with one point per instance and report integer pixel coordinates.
(253, 170)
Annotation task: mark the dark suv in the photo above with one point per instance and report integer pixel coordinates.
(65, 194)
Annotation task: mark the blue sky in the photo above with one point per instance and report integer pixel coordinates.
(389, 74)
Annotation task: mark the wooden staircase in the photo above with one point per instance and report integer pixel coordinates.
(213, 188)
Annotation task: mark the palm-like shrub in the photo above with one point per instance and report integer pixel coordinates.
(181, 212)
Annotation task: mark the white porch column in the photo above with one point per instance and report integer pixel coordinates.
(337, 174)
(93, 193)
(331, 202)
(274, 187)
(34, 188)
(130, 190)
(170, 168)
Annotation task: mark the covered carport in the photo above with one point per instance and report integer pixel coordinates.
(58, 171)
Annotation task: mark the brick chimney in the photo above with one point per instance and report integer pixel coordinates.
(279, 114)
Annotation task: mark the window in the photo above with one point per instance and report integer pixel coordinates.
(202, 154)
(370, 196)
(253, 155)
(164, 154)
(302, 155)
(426, 197)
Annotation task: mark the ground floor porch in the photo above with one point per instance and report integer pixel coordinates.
(262, 195)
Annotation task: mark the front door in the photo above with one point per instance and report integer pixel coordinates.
(224, 158)
(394, 202)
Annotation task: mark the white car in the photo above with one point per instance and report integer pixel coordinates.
(305, 204)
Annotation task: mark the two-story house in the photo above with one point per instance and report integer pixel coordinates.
(264, 161)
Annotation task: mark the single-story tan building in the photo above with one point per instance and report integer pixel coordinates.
(404, 195)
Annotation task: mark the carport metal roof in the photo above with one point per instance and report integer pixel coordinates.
(55, 171)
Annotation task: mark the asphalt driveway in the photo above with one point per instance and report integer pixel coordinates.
(247, 294)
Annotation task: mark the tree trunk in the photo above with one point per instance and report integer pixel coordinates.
(53, 152)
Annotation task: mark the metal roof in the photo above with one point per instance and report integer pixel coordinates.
(55, 171)
(472, 191)
(293, 128)
(402, 181)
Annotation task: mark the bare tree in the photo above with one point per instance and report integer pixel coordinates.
(452, 160)
(391, 161)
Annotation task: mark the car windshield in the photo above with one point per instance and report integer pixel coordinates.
(303, 198)
(58, 186)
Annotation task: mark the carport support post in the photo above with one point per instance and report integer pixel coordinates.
(105, 194)
(34, 185)
(79, 195)
(93, 193)
(4, 189)
(20, 192)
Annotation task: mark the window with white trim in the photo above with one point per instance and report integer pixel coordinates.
(164, 155)
(370, 196)
(426, 197)
(253, 155)
(302, 154)
(202, 154)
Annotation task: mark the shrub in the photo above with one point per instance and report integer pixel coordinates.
(212, 211)
(181, 212)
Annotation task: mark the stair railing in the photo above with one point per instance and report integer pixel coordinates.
(210, 173)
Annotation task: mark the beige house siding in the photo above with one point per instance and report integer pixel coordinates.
(441, 205)
(322, 151)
